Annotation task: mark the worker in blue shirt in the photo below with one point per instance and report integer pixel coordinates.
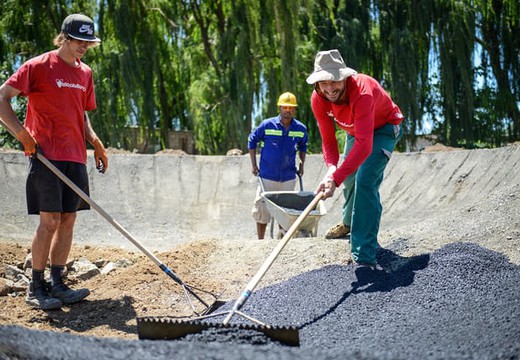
(282, 136)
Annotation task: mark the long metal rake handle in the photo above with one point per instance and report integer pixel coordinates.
(270, 260)
(103, 213)
(187, 289)
(100, 210)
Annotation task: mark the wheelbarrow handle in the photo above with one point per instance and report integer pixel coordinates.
(261, 183)
(300, 180)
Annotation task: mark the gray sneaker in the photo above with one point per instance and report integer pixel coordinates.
(39, 298)
(67, 295)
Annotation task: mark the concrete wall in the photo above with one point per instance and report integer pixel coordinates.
(161, 200)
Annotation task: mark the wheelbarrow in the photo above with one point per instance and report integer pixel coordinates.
(286, 206)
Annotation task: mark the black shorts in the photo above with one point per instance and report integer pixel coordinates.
(46, 192)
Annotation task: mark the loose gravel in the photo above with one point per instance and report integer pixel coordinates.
(459, 302)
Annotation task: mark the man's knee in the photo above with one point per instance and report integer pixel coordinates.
(68, 219)
(49, 222)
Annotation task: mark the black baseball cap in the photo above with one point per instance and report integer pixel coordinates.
(80, 27)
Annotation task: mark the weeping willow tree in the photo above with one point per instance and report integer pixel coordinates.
(136, 72)
(217, 67)
(245, 55)
(405, 40)
(454, 25)
(213, 70)
(499, 28)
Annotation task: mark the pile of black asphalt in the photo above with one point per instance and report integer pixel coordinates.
(459, 302)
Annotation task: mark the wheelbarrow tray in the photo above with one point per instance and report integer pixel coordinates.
(286, 206)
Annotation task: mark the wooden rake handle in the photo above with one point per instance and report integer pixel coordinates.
(270, 260)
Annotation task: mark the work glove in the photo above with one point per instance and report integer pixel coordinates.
(100, 156)
(28, 142)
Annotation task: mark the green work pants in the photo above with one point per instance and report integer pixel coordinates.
(362, 208)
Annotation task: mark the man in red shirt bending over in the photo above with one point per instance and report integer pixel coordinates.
(359, 105)
(60, 90)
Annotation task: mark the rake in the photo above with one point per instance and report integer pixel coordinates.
(170, 328)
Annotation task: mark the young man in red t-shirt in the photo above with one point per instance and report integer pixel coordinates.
(359, 105)
(60, 90)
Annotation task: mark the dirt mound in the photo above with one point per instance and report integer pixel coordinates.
(177, 152)
(439, 147)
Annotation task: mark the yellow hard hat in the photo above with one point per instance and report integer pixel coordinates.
(287, 99)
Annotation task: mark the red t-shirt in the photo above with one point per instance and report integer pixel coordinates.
(59, 95)
(369, 107)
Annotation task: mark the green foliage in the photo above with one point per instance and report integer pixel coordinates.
(7, 140)
(211, 66)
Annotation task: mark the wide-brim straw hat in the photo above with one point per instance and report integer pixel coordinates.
(329, 66)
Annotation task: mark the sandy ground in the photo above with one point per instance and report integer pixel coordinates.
(430, 199)
(145, 290)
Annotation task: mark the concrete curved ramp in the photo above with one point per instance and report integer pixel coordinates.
(164, 200)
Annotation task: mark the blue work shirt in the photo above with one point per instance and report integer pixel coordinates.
(277, 159)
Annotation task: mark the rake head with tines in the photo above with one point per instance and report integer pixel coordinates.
(168, 328)
(189, 291)
(192, 292)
